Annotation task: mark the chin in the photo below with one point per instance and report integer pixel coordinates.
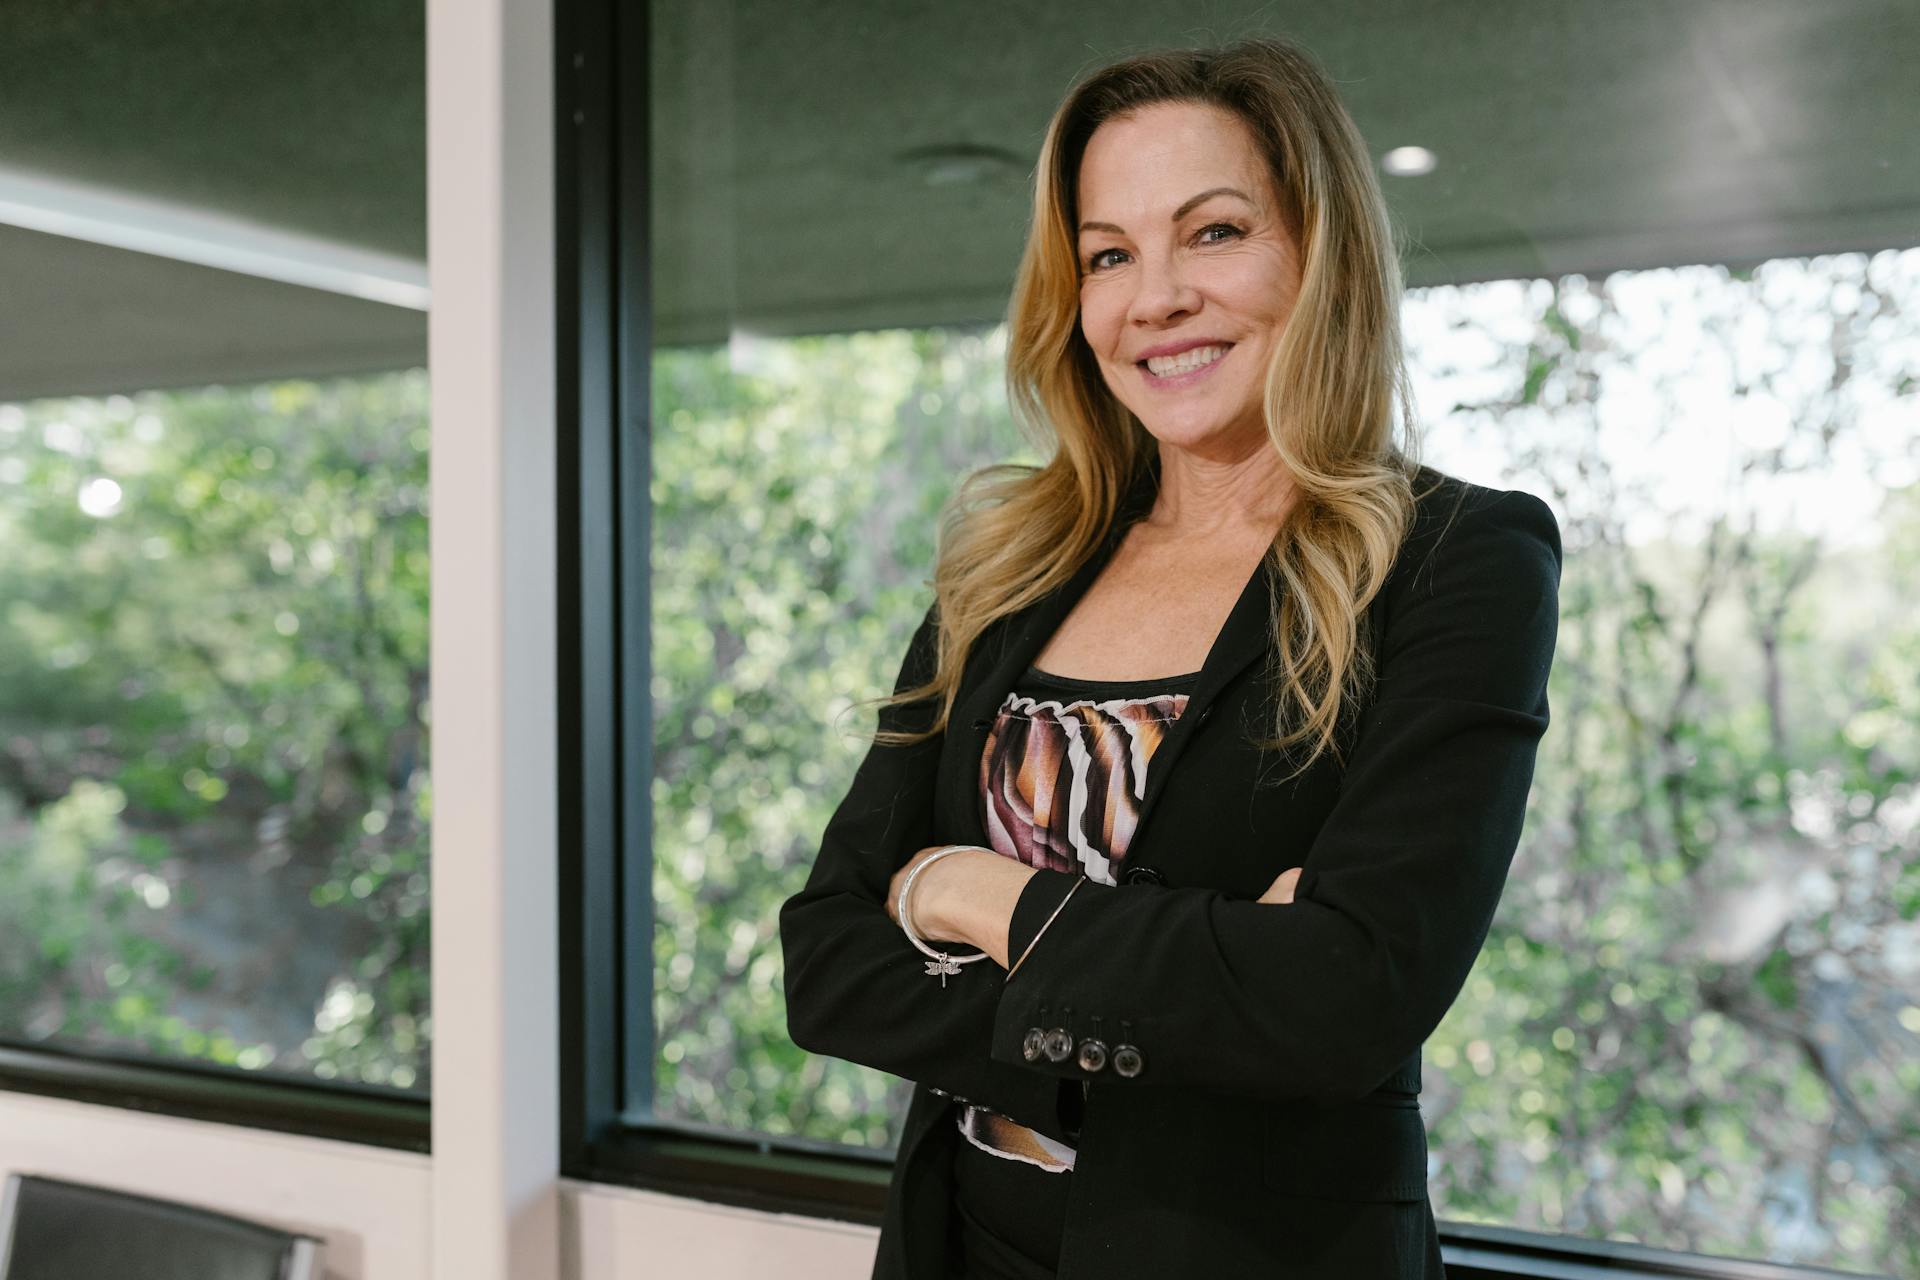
(1190, 433)
(1215, 437)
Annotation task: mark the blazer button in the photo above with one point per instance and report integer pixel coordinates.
(1142, 874)
(1093, 1055)
(1034, 1045)
(1059, 1045)
(1128, 1061)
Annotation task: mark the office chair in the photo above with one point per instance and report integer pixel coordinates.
(55, 1230)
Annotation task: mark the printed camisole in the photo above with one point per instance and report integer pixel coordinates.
(1061, 780)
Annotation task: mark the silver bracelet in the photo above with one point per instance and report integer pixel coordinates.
(942, 963)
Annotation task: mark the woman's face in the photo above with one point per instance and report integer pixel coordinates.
(1182, 247)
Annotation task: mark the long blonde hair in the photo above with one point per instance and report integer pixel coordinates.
(1335, 389)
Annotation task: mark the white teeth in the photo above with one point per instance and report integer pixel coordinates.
(1185, 362)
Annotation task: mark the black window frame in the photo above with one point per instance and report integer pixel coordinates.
(373, 1115)
(604, 337)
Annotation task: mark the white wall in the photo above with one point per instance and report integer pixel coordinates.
(489, 1205)
(493, 547)
(373, 1207)
(614, 1232)
(369, 1204)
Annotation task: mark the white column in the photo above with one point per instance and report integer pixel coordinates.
(491, 346)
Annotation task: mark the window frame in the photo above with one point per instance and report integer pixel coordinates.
(372, 1115)
(603, 339)
(604, 346)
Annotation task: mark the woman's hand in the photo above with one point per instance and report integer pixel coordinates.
(1281, 890)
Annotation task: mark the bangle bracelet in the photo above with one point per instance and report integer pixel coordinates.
(1043, 928)
(942, 964)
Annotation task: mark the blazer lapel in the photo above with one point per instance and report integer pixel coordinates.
(1241, 639)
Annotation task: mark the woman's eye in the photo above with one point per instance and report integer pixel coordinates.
(1093, 263)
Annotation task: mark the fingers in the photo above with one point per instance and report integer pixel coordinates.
(1281, 890)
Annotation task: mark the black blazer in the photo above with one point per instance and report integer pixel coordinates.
(1274, 1126)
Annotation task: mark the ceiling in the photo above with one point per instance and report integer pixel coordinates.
(865, 163)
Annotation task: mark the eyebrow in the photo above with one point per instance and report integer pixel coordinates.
(1179, 213)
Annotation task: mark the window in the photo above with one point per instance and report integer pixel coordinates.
(215, 706)
(1675, 304)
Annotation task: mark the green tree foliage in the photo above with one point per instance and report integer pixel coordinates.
(213, 702)
(796, 490)
(1695, 1022)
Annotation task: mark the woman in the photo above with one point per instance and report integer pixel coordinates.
(1178, 922)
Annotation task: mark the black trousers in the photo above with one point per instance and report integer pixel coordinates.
(1008, 1217)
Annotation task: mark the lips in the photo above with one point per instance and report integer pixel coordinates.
(1175, 348)
(1176, 380)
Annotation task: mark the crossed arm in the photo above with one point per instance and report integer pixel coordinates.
(1393, 903)
(969, 897)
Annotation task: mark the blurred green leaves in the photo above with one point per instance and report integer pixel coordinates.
(797, 486)
(213, 612)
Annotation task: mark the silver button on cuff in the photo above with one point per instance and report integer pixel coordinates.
(1059, 1045)
(1093, 1055)
(1034, 1045)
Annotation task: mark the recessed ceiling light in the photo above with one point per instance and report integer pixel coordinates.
(1409, 162)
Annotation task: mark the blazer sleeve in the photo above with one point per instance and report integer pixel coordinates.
(856, 988)
(1323, 997)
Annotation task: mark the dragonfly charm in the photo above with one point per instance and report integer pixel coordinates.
(943, 966)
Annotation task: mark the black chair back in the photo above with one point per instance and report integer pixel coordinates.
(56, 1230)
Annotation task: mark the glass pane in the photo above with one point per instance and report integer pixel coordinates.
(1661, 274)
(213, 682)
(1697, 1003)
(808, 471)
(213, 545)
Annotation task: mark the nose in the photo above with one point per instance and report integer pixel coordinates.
(1162, 292)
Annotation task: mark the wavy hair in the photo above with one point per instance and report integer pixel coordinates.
(1335, 390)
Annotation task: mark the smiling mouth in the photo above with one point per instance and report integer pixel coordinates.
(1175, 369)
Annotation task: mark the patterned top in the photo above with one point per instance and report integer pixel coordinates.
(1065, 768)
(1061, 781)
